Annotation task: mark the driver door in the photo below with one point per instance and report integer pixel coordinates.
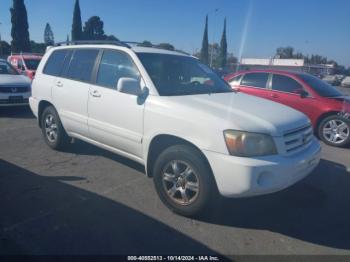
(115, 119)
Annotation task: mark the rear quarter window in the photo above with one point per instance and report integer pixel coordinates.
(258, 80)
(55, 62)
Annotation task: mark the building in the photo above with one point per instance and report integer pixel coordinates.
(298, 65)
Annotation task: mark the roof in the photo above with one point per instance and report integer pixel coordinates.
(116, 45)
(27, 56)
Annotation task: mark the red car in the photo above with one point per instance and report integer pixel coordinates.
(26, 64)
(327, 108)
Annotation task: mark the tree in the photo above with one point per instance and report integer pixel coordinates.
(38, 48)
(145, 44)
(214, 53)
(223, 48)
(5, 49)
(204, 56)
(67, 40)
(77, 24)
(166, 46)
(93, 29)
(19, 32)
(48, 35)
(111, 38)
(285, 52)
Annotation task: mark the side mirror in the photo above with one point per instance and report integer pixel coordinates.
(302, 93)
(129, 86)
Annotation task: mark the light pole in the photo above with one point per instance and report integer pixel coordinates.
(215, 11)
(0, 41)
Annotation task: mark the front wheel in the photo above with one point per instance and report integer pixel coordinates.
(54, 134)
(183, 180)
(335, 131)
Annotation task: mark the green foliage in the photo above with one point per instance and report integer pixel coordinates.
(19, 32)
(48, 35)
(77, 33)
(223, 49)
(204, 55)
(5, 49)
(166, 46)
(38, 48)
(145, 44)
(111, 38)
(93, 29)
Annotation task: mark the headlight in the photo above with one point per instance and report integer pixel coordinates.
(245, 144)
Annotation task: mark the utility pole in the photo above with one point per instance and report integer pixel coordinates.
(211, 47)
(0, 41)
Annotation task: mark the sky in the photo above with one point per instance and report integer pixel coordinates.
(255, 28)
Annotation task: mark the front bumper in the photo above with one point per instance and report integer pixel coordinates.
(15, 99)
(244, 177)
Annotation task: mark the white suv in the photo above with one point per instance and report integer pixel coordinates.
(171, 113)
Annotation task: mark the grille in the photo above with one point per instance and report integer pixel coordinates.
(14, 89)
(14, 101)
(298, 138)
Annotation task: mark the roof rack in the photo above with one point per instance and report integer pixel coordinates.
(141, 44)
(92, 42)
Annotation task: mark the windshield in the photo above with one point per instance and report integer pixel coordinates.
(32, 64)
(322, 88)
(175, 75)
(7, 69)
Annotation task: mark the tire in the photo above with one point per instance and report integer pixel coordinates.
(54, 134)
(199, 185)
(334, 130)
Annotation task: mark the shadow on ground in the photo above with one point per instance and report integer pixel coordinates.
(316, 210)
(41, 215)
(22, 112)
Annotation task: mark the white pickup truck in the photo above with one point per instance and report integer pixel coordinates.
(168, 111)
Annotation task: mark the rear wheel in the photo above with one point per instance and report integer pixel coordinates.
(54, 134)
(335, 131)
(183, 180)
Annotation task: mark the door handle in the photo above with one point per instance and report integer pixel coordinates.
(274, 96)
(59, 84)
(95, 93)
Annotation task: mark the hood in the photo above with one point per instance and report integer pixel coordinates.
(240, 111)
(14, 80)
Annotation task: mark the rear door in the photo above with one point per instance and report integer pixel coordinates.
(70, 91)
(255, 84)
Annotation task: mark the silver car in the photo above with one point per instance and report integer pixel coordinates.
(15, 89)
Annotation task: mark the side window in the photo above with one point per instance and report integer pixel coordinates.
(81, 64)
(258, 80)
(235, 80)
(285, 84)
(115, 65)
(54, 64)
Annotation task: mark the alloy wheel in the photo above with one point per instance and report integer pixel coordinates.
(180, 182)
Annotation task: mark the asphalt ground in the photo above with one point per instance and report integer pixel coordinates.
(89, 201)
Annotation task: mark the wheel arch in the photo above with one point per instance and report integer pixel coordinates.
(162, 141)
(42, 105)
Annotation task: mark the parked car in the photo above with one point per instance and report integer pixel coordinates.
(26, 64)
(332, 80)
(321, 102)
(346, 82)
(14, 88)
(173, 114)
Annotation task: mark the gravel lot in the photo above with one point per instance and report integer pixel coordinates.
(89, 201)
